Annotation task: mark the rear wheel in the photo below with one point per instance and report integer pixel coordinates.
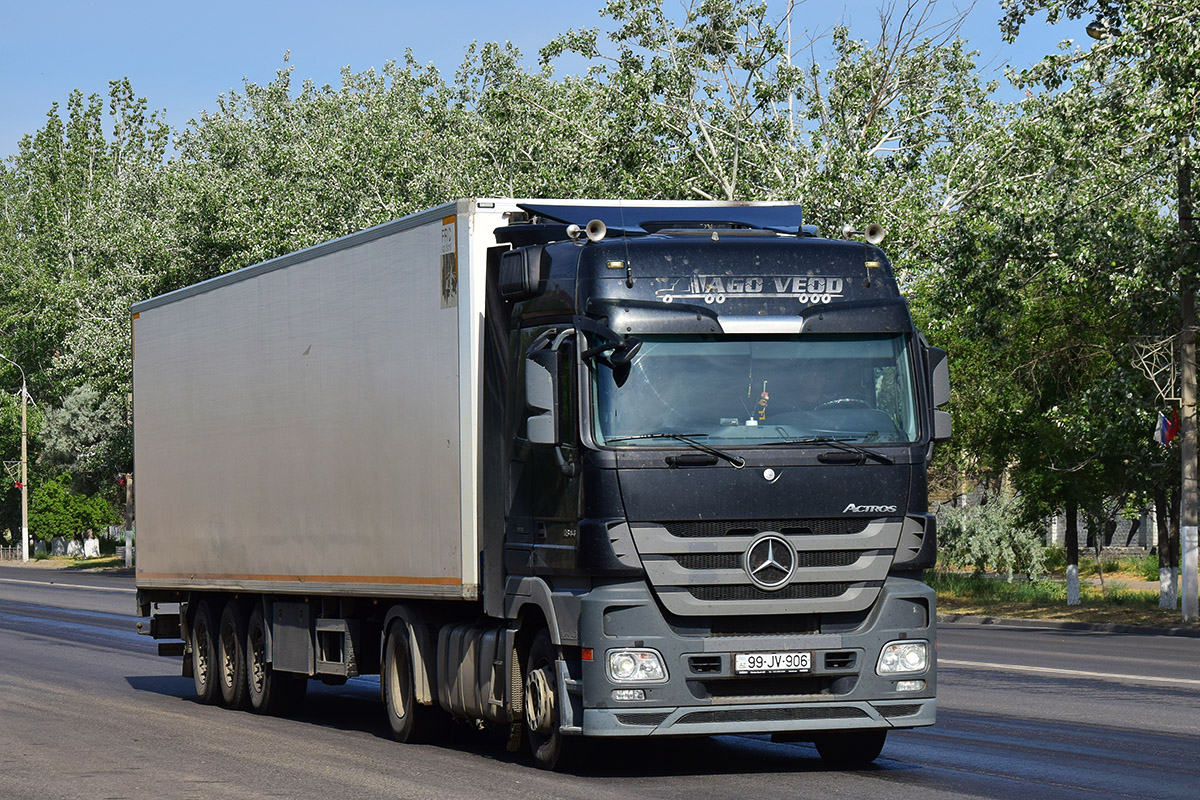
(204, 653)
(550, 749)
(231, 656)
(851, 748)
(268, 691)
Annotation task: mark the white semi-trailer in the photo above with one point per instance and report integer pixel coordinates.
(568, 468)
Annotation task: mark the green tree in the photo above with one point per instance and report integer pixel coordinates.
(54, 510)
(89, 439)
(1143, 77)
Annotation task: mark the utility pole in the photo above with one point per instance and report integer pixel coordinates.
(128, 519)
(24, 471)
(1189, 518)
(128, 481)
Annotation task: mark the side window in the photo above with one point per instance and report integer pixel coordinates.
(566, 393)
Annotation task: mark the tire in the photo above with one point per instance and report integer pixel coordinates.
(204, 654)
(231, 656)
(410, 721)
(549, 748)
(851, 749)
(268, 691)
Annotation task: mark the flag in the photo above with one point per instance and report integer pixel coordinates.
(1167, 429)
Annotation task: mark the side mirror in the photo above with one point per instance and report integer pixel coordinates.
(939, 376)
(521, 273)
(541, 389)
(941, 426)
(939, 383)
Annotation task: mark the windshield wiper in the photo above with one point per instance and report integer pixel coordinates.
(687, 438)
(839, 443)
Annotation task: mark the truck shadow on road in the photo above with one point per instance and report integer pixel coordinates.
(356, 707)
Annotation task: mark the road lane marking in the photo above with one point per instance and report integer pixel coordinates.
(70, 585)
(1070, 673)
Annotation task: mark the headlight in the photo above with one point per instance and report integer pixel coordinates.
(625, 666)
(900, 657)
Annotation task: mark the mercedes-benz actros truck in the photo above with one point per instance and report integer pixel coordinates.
(568, 469)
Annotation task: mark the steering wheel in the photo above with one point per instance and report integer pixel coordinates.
(844, 402)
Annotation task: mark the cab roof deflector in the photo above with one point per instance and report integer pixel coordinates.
(639, 219)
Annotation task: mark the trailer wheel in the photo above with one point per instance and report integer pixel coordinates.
(550, 749)
(268, 691)
(231, 656)
(411, 722)
(851, 749)
(204, 654)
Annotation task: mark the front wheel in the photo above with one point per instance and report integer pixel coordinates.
(550, 749)
(851, 748)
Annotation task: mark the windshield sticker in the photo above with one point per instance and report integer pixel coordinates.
(805, 289)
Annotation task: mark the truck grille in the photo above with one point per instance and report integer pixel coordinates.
(819, 558)
(796, 591)
(698, 567)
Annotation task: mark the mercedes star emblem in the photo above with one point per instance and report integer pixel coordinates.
(770, 561)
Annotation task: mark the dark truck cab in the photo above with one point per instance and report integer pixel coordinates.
(720, 426)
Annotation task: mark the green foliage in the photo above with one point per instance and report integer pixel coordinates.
(54, 510)
(1054, 559)
(90, 439)
(978, 587)
(956, 589)
(991, 536)
(1149, 567)
(1033, 238)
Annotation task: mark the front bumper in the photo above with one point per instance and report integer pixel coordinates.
(704, 696)
(758, 718)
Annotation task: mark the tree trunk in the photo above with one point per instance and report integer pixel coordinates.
(1072, 542)
(1167, 596)
(1173, 545)
(1097, 541)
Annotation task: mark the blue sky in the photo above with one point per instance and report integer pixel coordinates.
(181, 56)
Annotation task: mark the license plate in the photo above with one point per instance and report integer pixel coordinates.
(797, 661)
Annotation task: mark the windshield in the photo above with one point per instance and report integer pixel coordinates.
(747, 390)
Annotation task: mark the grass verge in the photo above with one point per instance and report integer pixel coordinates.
(1047, 599)
(75, 564)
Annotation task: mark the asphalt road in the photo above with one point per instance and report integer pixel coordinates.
(88, 710)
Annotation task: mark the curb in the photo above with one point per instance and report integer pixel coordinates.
(1101, 627)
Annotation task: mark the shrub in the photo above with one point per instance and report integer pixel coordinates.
(1054, 559)
(1149, 568)
(991, 535)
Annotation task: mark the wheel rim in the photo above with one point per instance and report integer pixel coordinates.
(201, 654)
(396, 676)
(258, 661)
(539, 701)
(228, 656)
